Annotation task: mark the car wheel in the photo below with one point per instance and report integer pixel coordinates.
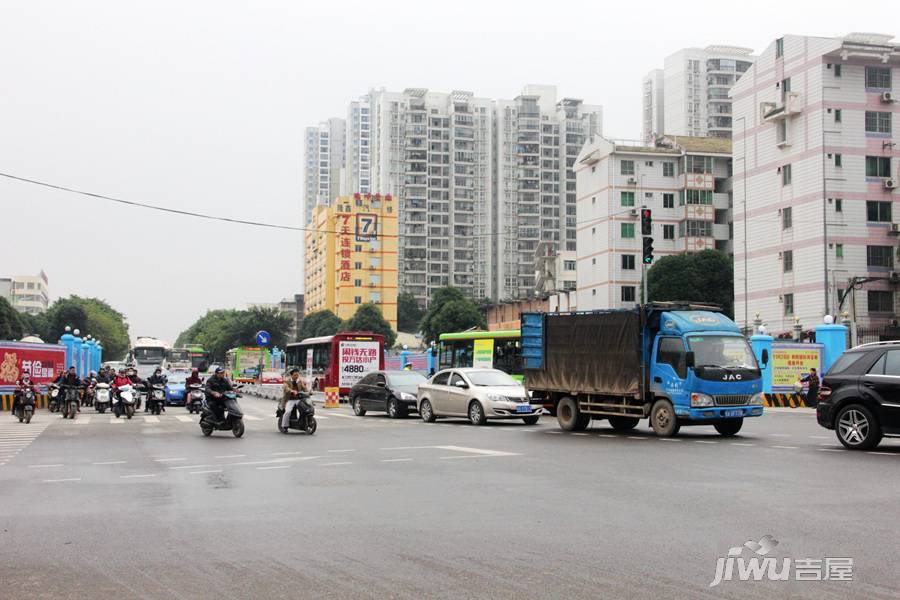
(857, 428)
(532, 420)
(426, 412)
(728, 427)
(623, 423)
(569, 417)
(358, 410)
(476, 413)
(663, 420)
(393, 409)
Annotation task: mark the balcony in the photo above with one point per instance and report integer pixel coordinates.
(791, 105)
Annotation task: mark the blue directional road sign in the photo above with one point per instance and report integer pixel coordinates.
(263, 338)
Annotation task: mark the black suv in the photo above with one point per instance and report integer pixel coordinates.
(860, 395)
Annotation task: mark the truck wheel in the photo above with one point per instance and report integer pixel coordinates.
(728, 427)
(623, 423)
(569, 416)
(663, 420)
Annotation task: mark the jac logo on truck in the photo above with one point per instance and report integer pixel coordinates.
(731, 377)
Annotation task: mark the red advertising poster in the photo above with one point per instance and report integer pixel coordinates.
(44, 361)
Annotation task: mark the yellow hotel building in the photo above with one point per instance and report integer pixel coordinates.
(351, 256)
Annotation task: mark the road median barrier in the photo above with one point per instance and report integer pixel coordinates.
(332, 397)
(6, 401)
(787, 401)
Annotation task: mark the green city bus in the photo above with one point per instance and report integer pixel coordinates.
(500, 349)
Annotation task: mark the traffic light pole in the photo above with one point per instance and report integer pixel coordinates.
(644, 278)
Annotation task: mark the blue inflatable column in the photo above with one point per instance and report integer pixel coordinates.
(68, 341)
(98, 355)
(84, 364)
(759, 343)
(834, 339)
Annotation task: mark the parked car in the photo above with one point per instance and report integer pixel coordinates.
(860, 396)
(175, 389)
(271, 376)
(393, 392)
(478, 394)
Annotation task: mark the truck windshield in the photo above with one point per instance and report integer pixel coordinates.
(722, 351)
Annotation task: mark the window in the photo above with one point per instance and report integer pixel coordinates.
(779, 47)
(696, 197)
(668, 169)
(838, 160)
(787, 261)
(668, 232)
(878, 166)
(696, 228)
(878, 212)
(837, 70)
(357, 300)
(441, 378)
(569, 265)
(627, 167)
(627, 198)
(880, 256)
(839, 251)
(787, 218)
(788, 304)
(671, 352)
(668, 200)
(785, 88)
(357, 282)
(628, 293)
(838, 205)
(357, 265)
(628, 262)
(786, 175)
(781, 132)
(648, 163)
(627, 230)
(721, 216)
(878, 122)
(892, 363)
(880, 301)
(697, 164)
(878, 77)
(837, 115)
(648, 196)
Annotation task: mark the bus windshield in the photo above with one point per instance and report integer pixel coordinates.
(150, 354)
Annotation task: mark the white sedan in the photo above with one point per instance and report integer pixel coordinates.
(477, 394)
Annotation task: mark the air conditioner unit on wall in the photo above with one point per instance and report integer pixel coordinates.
(887, 96)
(890, 183)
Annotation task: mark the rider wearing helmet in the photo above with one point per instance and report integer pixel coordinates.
(216, 386)
(22, 385)
(158, 378)
(194, 379)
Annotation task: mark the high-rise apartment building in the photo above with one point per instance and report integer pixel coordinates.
(27, 293)
(537, 141)
(351, 255)
(817, 151)
(694, 92)
(358, 142)
(685, 181)
(324, 154)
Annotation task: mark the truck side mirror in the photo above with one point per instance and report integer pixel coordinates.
(690, 359)
(764, 357)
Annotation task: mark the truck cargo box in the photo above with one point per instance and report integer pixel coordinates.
(584, 352)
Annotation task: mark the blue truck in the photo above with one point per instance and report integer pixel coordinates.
(677, 364)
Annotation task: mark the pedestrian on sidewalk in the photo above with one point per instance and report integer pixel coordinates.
(812, 393)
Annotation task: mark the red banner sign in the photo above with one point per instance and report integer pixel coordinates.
(44, 362)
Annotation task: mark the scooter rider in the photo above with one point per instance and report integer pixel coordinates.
(105, 375)
(158, 378)
(194, 379)
(293, 387)
(136, 381)
(216, 386)
(23, 384)
(70, 377)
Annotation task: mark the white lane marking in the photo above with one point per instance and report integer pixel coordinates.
(786, 447)
(281, 453)
(830, 449)
(637, 437)
(334, 464)
(883, 453)
(66, 479)
(407, 448)
(819, 437)
(110, 462)
(606, 435)
(558, 432)
(343, 416)
(162, 460)
(669, 439)
(252, 418)
(479, 451)
(780, 434)
(151, 419)
(137, 476)
(321, 417)
(192, 467)
(396, 460)
(201, 472)
(741, 444)
(270, 462)
(184, 418)
(704, 442)
(43, 466)
(342, 451)
(83, 420)
(231, 456)
(578, 433)
(275, 467)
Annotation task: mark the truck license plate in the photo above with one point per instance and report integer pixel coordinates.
(734, 413)
(523, 408)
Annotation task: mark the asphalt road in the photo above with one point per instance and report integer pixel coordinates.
(374, 508)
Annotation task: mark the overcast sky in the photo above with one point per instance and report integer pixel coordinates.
(201, 106)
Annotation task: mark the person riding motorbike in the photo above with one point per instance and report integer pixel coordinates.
(216, 386)
(158, 378)
(137, 382)
(23, 384)
(121, 379)
(105, 375)
(194, 379)
(293, 387)
(70, 377)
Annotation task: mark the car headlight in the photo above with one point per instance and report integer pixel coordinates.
(702, 400)
(757, 399)
(497, 398)
(405, 396)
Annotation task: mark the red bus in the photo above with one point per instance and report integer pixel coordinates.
(338, 360)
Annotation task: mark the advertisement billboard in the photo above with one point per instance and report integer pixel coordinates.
(355, 360)
(483, 354)
(45, 362)
(790, 362)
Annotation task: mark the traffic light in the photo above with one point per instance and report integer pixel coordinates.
(648, 250)
(646, 221)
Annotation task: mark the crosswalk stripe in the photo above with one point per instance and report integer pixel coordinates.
(83, 420)
(184, 418)
(151, 419)
(114, 420)
(252, 418)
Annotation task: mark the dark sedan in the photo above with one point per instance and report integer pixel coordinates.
(393, 392)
